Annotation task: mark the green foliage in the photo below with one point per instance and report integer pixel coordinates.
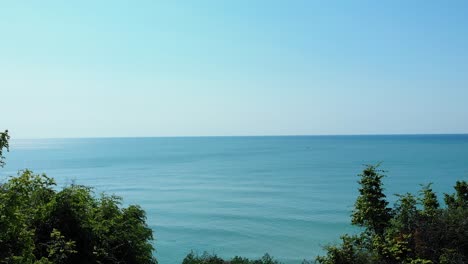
(41, 225)
(460, 198)
(405, 214)
(370, 210)
(450, 256)
(420, 261)
(207, 258)
(429, 201)
(416, 231)
(4, 137)
(352, 250)
(59, 248)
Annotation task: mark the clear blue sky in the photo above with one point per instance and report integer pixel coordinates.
(177, 68)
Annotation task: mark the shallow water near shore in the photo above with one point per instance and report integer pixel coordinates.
(287, 196)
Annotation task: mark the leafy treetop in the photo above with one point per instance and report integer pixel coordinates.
(4, 137)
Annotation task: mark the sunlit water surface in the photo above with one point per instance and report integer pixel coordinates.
(287, 196)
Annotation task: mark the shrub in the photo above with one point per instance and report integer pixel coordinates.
(41, 225)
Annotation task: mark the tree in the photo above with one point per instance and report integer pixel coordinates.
(370, 210)
(429, 201)
(416, 230)
(460, 198)
(352, 250)
(39, 223)
(42, 225)
(4, 138)
(207, 258)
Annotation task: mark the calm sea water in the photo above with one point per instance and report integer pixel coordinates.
(244, 195)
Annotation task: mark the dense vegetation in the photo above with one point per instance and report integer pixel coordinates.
(416, 230)
(40, 225)
(206, 258)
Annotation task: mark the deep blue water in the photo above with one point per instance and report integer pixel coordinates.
(244, 195)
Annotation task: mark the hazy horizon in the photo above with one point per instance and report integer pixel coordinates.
(228, 136)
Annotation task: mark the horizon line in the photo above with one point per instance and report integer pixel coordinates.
(232, 136)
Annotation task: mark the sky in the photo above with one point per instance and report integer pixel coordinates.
(231, 68)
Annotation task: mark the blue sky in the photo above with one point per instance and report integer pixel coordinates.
(195, 68)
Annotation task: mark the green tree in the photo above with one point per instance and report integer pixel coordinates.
(416, 230)
(352, 250)
(207, 258)
(41, 225)
(4, 138)
(405, 213)
(429, 201)
(370, 209)
(459, 199)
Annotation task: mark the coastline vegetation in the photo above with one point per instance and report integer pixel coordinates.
(42, 225)
(207, 258)
(417, 230)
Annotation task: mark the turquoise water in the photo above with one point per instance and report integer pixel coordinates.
(244, 195)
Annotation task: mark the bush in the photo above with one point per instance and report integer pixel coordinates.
(41, 225)
(206, 258)
(416, 230)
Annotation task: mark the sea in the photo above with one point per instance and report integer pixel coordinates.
(284, 195)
